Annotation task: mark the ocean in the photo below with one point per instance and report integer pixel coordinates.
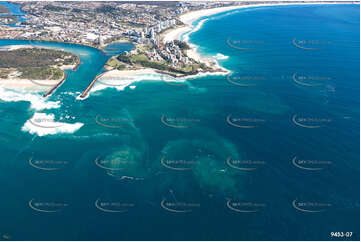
(268, 152)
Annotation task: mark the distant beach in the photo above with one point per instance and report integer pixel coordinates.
(189, 17)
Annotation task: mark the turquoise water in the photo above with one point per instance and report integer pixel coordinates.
(270, 152)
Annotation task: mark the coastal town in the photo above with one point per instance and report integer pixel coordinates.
(98, 24)
(154, 28)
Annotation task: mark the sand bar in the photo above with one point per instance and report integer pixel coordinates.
(34, 85)
(127, 73)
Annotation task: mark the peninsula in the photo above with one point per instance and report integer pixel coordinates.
(34, 68)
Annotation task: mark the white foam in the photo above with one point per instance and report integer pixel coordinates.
(121, 83)
(185, 37)
(36, 100)
(44, 124)
(74, 94)
(220, 56)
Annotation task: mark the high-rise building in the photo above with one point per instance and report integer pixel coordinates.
(151, 33)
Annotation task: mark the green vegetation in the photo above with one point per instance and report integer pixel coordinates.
(124, 58)
(36, 58)
(138, 58)
(182, 44)
(142, 61)
(112, 62)
(40, 73)
(37, 64)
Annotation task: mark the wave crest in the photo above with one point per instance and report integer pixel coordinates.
(36, 100)
(44, 124)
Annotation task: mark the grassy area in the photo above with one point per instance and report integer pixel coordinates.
(138, 58)
(39, 73)
(22, 58)
(116, 64)
(36, 64)
(190, 68)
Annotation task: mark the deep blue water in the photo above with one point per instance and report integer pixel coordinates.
(294, 130)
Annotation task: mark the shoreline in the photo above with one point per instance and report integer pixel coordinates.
(190, 17)
(31, 85)
(114, 74)
(36, 85)
(55, 41)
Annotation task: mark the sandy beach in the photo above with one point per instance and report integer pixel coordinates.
(190, 17)
(115, 79)
(175, 33)
(126, 73)
(31, 85)
(15, 47)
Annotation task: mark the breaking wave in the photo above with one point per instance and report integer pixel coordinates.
(220, 56)
(43, 124)
(36, 100)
